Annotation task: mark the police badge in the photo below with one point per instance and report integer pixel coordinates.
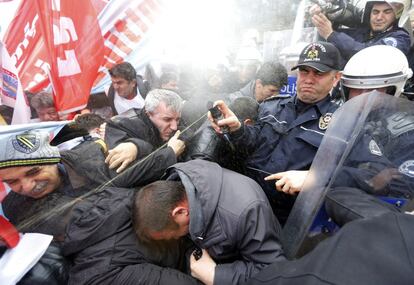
(324, 121)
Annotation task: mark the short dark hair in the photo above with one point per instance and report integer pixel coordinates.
(89, 121)
(123, 70)
(245, 108)
(42, 100)
(272, 73)
(153, 205)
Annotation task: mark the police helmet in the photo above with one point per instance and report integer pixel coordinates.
(376, 67)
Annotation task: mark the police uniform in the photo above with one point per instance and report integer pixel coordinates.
(381, 165)
(288, 131)
(350, 41)
(286, 137)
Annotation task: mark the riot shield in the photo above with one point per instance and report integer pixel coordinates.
(368, 146)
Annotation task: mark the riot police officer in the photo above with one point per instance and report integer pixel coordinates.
(289, 130)
(381, 161)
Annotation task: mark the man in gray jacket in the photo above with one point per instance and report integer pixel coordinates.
(224, 213)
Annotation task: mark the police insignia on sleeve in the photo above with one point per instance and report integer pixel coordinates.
(374, 148)
(26, 143)
(324, 121)
(407, 168)
(390, 41)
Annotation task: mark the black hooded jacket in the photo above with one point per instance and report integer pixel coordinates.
(230, 218)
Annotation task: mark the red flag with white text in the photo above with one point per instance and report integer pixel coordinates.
(74, 42)
(30, 41)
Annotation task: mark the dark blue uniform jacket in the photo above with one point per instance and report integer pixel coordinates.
(351, 41)
(286, 137)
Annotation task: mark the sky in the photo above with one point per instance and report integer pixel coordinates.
(7, 11)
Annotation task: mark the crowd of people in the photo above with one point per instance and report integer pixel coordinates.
(162, 191)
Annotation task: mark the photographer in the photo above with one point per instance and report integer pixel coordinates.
(380, 26)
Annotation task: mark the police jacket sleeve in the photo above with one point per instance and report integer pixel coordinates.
(349, 46)
(247, 137)
(258, 243)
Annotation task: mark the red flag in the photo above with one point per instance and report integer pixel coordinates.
(73, 39)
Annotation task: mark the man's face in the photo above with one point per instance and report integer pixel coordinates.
(166, 120)
(123, 87)
(32, 181)
(382, 16)
(48, 114)
(263, 92)
(313, 85)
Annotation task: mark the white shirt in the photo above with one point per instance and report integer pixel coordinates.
(122, 104)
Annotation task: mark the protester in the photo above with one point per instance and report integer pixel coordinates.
(69, 196)
(380, 27)
(224, 213)
(44, 106)
(85, 127)
(127, 89)
(142, 131)
(289, 130)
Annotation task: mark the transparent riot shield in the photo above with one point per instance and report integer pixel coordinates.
(368, 146)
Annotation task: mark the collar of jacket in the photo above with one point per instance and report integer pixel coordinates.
(369, 35)
(153, 130)
(248, 89)
(196, 214)
(66, 186)
(322, 106)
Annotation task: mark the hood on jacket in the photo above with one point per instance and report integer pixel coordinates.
(202, 181)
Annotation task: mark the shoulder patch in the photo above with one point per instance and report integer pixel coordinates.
(390, 41)
(324, 121)
(407, 168)
(374, 148)
(26, 143)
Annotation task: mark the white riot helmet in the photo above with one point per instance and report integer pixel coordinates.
(376, 67)
(400, 7)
